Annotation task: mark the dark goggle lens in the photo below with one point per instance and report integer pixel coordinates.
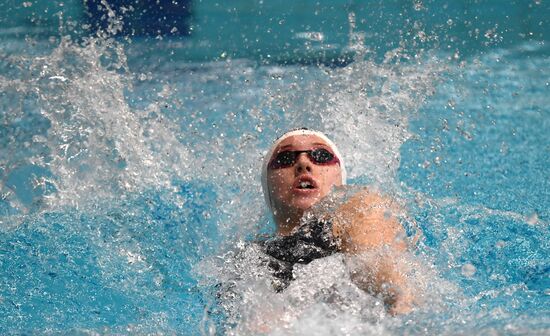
(284, 159)
(288, 158)
(321, 155)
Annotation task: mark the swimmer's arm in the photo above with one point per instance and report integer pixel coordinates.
(383, 275)
(367, 223)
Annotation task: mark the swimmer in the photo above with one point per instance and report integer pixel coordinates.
(301, 168)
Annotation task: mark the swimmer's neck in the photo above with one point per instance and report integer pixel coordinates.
(287, 222)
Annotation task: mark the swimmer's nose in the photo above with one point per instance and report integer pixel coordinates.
(303, 164)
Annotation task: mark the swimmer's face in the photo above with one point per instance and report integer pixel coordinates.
(298, 186)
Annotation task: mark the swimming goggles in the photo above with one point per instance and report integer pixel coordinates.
(319, 156)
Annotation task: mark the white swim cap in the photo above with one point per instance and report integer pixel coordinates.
(302, 131)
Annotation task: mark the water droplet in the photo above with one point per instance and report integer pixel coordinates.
(422, 36)
(490, 34)
(451, 103)
(504, 148)
(445, 125)
(533, 219)
(418, 5)
(468, 270)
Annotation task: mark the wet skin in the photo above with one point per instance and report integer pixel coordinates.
(367, 222)
(289, 199)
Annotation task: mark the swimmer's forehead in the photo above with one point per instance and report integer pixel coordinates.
(301, 142)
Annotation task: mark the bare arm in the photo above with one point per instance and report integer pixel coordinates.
(367, 223)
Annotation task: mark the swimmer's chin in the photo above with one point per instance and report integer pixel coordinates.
(320, 205)
(305, 204)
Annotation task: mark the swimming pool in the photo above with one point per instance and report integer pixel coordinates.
(126, 163)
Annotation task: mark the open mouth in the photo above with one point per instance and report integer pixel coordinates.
(305, 183)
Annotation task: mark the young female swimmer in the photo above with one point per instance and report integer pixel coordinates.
(300, 169)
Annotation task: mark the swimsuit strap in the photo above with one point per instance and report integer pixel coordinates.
(312, 240)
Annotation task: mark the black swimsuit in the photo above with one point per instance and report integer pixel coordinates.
(310, 241)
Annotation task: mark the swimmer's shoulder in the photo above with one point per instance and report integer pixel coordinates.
(369, 219)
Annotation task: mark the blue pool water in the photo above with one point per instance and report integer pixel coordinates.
(130, 163)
